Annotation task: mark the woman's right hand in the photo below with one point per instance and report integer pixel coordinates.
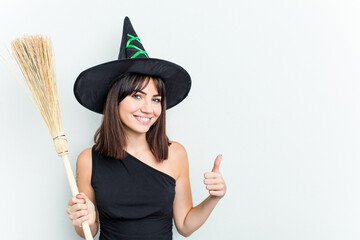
(81, 209)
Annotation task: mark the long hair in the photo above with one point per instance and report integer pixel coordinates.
(110, 138)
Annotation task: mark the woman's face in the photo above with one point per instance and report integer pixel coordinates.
(140, 110)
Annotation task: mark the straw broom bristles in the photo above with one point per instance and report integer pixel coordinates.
(35, 59)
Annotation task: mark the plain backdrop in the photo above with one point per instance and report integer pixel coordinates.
(275, 89)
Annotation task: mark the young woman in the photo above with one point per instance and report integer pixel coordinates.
(134, 181)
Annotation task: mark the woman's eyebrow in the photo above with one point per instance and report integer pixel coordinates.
(156, 95)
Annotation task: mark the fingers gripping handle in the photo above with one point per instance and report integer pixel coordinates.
(75, 191)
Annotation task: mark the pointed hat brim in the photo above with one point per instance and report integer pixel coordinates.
(92, 85)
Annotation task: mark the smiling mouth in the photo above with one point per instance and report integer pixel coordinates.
(143, 120)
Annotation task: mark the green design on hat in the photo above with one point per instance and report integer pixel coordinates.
(140, 51)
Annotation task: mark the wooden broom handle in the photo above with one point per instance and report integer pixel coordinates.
(75, 191)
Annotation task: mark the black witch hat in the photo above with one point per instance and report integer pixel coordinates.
(92, 85)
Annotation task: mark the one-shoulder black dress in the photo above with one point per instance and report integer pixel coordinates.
(134, 200)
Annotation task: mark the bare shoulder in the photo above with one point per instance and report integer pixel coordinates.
(177, 150)
(84, 164)
(178, 157)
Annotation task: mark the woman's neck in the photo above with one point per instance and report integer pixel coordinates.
(136, 143)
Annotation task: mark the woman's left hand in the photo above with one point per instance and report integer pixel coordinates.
(214, 181)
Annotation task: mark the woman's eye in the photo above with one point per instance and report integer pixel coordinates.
(157, 100)
(137, 96)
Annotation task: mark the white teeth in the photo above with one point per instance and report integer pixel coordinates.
(144, 119)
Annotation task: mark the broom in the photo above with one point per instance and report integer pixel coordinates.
(35, 59)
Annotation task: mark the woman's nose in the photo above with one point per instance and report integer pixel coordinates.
(146, 106)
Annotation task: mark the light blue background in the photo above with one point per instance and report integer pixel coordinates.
(275, 90)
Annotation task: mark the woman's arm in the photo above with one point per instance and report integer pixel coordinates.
(83, 178)
(186, 217)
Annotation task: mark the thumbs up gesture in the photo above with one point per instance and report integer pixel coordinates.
(214, 182)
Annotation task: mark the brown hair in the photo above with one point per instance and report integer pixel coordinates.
(110, 138)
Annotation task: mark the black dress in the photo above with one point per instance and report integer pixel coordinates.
(134, 200)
